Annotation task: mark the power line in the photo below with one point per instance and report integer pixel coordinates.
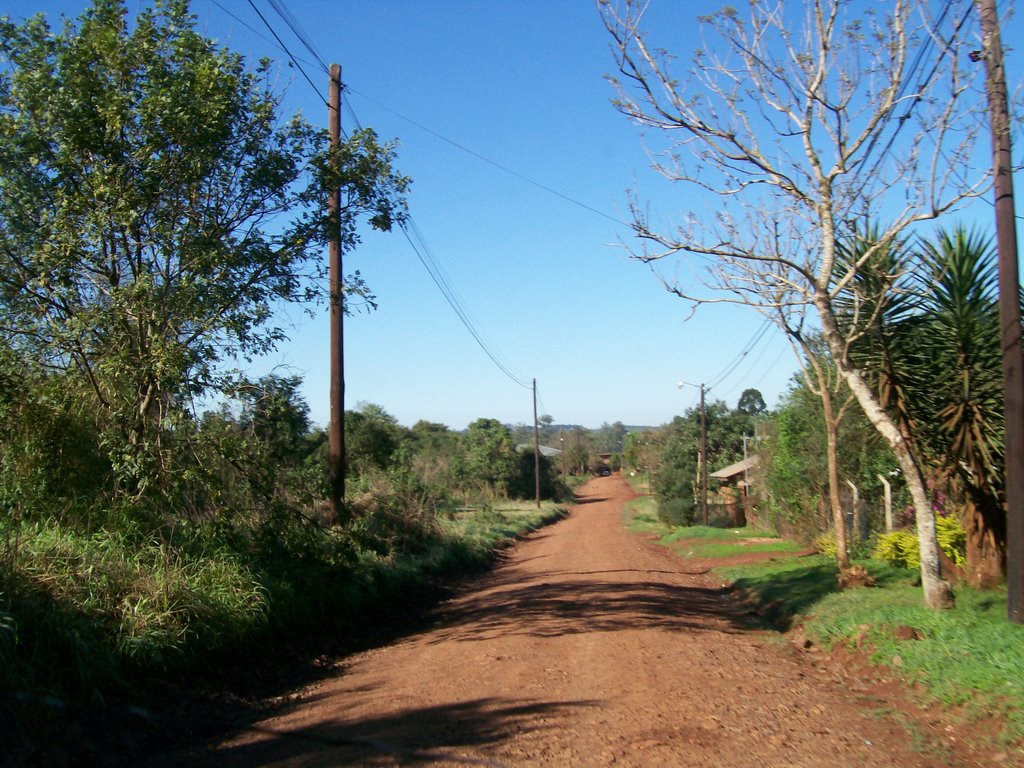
(918, 97)
(715, 381)
(298, 31)
(256, 32)
(437, 275)
(422, 251)
(284, 47)
(488, 160)
(753, 364)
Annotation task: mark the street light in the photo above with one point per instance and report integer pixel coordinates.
(703, 452)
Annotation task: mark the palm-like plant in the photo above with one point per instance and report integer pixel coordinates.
(957, 405)
(924, 328)
(873, 306)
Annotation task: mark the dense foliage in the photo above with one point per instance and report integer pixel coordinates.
(670, 455)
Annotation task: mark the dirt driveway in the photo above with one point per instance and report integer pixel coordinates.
(589, 646)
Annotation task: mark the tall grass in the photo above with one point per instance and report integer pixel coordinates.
(80, 607)
(80, 611)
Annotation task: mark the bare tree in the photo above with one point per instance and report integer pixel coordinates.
(802, 120)
(822, 380)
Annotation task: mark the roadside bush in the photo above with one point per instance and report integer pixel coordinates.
(676, 512)
(826, 544)
(392, 512)
(900, 548)
(952, 538)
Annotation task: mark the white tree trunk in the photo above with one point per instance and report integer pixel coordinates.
(937, 593)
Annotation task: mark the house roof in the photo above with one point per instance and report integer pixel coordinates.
(733, 470)
(544, 450)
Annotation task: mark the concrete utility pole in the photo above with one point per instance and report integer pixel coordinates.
(1009, 307)
(336, 456)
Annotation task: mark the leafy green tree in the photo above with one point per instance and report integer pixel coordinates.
(488, 457)
(432, 455)
(275, 413)
(544, 432)
(523, 485)
(372, 438)
(675, 479)
(578, 449)
(154, 207)
(610, 438)
(796, 470)
(751, 403)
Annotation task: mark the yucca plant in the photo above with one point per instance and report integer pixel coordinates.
(957, 386)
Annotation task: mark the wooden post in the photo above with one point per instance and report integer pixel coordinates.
(1009, 308)
(536, 446)
(703, 458)
(336, 456)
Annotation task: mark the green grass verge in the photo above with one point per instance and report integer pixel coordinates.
(493, 525)
(81, 611)
(970, 657)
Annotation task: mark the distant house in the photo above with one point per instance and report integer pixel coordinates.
(734, 492)
(544, 450)
(739, 476)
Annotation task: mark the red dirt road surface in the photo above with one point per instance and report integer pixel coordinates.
(587, 646)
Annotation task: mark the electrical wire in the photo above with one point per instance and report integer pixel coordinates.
(922, 52)
(284, 47)
(745, 379)
(298, 31)
(716, 381)
(259, 34)
(543, 408)
(408, 227)
(488, 160)
(453, 301)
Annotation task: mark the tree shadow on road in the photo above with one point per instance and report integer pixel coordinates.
(408, 736)
(576, 606)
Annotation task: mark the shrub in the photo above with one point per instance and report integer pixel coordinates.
(676, 511)
(900, 548)
(826, 544)
(952, 538)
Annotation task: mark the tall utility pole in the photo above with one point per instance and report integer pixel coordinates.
(536, 446)
(703, 455)
(703, 458)
(336, 457)
(1009, 308)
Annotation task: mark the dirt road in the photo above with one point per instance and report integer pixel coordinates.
(589, 646)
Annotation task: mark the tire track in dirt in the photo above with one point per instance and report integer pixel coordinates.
(587, 646)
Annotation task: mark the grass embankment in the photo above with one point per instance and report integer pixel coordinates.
(83, 611)
(969, 658)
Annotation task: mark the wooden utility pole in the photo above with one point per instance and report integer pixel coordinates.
(1009, 307)
(336, 459)
(703, 458)
(536, 446)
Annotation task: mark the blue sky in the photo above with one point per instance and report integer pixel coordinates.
(520, 83)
